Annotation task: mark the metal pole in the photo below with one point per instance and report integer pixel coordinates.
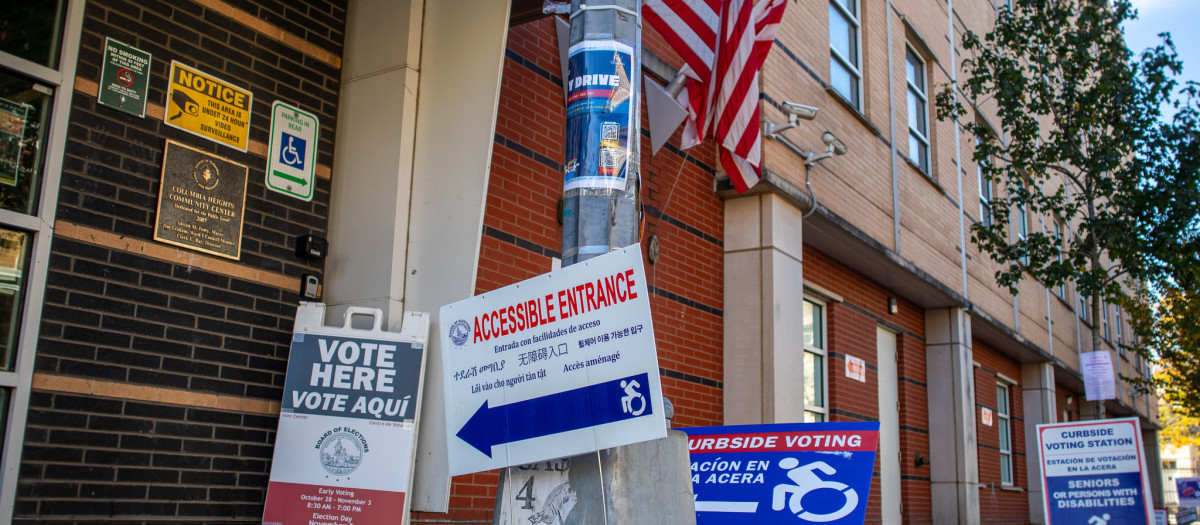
(601, 180)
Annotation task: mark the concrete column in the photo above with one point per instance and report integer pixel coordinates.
(416, 122)
(764, 306)
(954, 461)
(1037, 396)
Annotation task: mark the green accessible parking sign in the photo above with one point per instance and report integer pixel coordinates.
(292, 159)
(125, 78)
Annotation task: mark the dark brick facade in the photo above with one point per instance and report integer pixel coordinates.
(115, 315)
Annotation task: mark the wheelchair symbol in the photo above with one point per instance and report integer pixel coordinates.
(806, 480)
(292, 155)
(632, 394)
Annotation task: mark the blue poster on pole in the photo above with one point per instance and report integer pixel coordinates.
(792, 474)
(599, 115)
(1094, 473)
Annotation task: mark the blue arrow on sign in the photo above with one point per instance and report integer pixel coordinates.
(585, 407)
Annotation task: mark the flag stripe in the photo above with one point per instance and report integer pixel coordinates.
(731, 38)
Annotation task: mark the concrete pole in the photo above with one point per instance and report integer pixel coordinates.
(647, 482)
(600, 194)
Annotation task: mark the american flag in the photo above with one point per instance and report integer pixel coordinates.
(723, 44)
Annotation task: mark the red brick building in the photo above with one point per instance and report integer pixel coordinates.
(144, 378)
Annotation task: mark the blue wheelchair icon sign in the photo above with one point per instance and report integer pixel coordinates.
(292, 152)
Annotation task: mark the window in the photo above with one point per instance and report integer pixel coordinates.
(1023, 228)
(1104, 319)
(1081, 306)
(1003, 424)
(815, 407)
(1058, 239)
(918, 112)
(844, 74)
(33, 30)
(985, 194)
(1120, 330)
(39, 47)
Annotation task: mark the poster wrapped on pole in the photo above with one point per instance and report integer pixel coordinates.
(599, 115)
(348, 422)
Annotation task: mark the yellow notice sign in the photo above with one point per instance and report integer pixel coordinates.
(207, 106)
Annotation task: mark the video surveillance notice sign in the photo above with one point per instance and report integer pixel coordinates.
(208, 107)
(348, 422)
(1094, 473)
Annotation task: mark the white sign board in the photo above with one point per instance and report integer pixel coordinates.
(292, 159)
(555, 366)
(1094, 470)
(856, 369)
(348, 423)
(1099, 380)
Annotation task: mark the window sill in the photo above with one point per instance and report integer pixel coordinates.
(853, 110)
(1011, 488)
(917, 168)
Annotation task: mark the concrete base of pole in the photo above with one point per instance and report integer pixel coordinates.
(648, 482)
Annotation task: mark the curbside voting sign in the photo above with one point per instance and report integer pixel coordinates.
(791, 473)
(1094, 472)
(554, 366)
(347, 426)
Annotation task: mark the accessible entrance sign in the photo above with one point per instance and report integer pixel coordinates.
(555, 366)
(1094, 472)
(348, 422)
(292, 159)
(792, 473)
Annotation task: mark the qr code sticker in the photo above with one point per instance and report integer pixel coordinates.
(610, 131)
(611, 158)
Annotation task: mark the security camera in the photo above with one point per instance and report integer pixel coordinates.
(795, 112)
(832, 141)
(800, 111)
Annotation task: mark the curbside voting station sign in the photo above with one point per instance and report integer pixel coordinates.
(1094, 472)
(791, 473)
(555, 366)
(347, 426)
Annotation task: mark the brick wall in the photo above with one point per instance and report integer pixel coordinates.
(852, 326)
(160, 369)
(999, 503)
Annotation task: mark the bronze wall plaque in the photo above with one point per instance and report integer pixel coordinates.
(201, 201)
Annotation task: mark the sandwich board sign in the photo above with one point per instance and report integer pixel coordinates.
(554, 366)
(790, 473)
(292, 156)
(347, 433)
(1094, 472)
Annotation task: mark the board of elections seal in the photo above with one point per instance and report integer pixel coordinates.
(341, 450)
(459, 332)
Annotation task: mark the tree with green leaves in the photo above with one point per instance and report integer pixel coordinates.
(1078, 138)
